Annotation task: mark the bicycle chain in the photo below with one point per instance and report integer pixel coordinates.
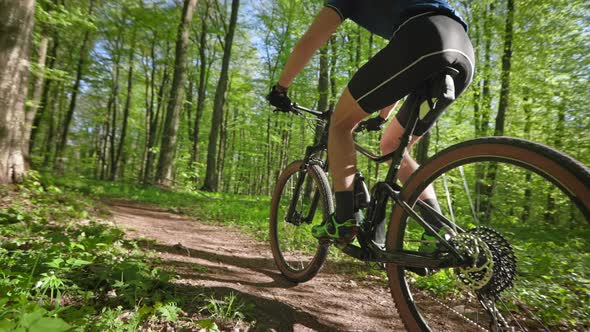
(467, 319)
(494, 272)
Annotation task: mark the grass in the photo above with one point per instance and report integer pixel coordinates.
(246, 212)
(64, 269)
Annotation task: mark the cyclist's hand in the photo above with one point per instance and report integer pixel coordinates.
(371, 124)
(279, 99)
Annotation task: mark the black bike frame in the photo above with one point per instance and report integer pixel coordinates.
(387, 188)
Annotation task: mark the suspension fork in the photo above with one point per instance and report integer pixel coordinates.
(309, 152)
(300, 179)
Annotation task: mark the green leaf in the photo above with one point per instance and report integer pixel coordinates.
(6, 325)
(208, 325)
(46, 324)
(30, 319)
(77, 262)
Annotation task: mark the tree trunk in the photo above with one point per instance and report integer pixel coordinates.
(422, 149)
(50, 106)
(114, 105)
(44, 102)
(16, 24)
(502, 107)
(125, 113)
(210, 176)
(37, 94)
(169, 138)
(202, 88)
(75, 89)
(528, 192)
(153, 129)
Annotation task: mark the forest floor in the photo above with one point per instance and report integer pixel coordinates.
(221, 260)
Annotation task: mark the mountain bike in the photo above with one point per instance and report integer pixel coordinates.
(519, 259)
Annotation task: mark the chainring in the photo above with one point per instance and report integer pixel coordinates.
(494, 263)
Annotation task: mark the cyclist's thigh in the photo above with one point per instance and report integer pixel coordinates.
(348, 113)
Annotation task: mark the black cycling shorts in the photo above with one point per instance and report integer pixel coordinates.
(422, 46)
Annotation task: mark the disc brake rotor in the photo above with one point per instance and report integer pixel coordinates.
(493, 265)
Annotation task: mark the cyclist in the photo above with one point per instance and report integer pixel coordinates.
(424, 37)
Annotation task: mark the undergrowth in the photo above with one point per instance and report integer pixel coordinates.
(64, 269)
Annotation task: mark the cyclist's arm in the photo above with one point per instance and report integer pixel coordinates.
(316, 36)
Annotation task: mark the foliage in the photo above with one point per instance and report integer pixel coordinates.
(62, 268)
(230, 308)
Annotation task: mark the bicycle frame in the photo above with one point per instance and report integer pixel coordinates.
(386, 189)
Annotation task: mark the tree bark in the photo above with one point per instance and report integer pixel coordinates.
(169, 137)
(16, 29)
(75, 89)
(202, 88)
(49, 110)
(114, 105)
(422, 149)
(37, 94)
(43, 103)
(502, 107)
(528, 192)
(115, 168)
(211, 176)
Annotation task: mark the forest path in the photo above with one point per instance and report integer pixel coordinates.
(221, 260)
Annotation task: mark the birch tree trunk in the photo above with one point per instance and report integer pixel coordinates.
(16, 27)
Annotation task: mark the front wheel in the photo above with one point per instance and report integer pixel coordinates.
(302, 198)
(525, 210)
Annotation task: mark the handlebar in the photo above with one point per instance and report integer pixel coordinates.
(299, 110)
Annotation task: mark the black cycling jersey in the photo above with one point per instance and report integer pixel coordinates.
(384, 17)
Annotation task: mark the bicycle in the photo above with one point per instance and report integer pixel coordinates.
(483, 273)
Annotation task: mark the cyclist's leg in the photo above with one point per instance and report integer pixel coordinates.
(390, 141)
(341, 151)
(342, 161)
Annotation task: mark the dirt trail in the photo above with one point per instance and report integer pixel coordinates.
(236, 262)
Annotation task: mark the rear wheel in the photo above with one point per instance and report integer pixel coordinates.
(525, 209)
(298, 255)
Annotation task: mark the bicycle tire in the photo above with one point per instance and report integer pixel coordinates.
(567, 174)
(320, 181)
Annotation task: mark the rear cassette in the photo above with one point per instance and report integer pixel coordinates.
(504, 261)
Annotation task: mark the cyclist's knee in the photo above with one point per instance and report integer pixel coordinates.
(348, 113)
